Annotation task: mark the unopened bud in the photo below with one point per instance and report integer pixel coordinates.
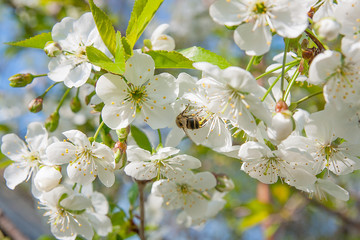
(327, 28)
(47, 178)
(281, 106)
(52, 122)
(75, 104)
(224, 183)
(282, 125)
(88, 97)
(120, 154)
(123, 133)
(36, 105)
(21, 79)
(97, 107)
(52, 49)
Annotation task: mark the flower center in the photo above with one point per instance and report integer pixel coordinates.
(259, 8)
(184, 189)
(137, 94)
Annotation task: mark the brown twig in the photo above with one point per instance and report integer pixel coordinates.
(9, 229)
(141, 186)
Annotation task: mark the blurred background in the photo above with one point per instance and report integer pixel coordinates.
(253, 210)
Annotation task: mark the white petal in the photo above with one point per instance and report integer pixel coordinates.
(100, 223)
(333, 189)
(137, 154)
(139, 68)
(174, 137)
(323, 66)
(291, 21)
(141, 170)
(157, 116)
(111, 88)
(254, 42)
(78, 138)
(15, 174)
(227, 12)
(186, 161)
(13, 147)
(163, 89)
(116, 117)
(159, 31)
(80, 173)
(204, 181)
(78, 75)
(106, 176)
(195, 205)
(61, 30)
(36, 136)
(99, 202)
(60, 153)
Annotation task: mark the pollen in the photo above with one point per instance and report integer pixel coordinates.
(112, 103)
(117, 114)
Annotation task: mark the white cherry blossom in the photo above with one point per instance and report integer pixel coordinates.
(65, 210)
(138, 92)
(72, 66)
(27, 156)
(234, 94)
(256, 19)
(328, 150)
(163, 163)
(47, 178)
(185, 191)
(322, 187)
(161, 41)
(86, 160)
(267, 166)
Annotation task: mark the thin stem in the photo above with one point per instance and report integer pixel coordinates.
(293, 79)
(252, 59)
(292, 63)
(40, 75)
(283, 68)
(160, 138)
(273, 84)
(48, 89)
(308, 97)
(62, 99)
(98, 130)
(141, 186)
(318, 43)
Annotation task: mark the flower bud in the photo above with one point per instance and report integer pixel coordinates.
(47, 178)
(281, 106)
(52, 122)
(52, 49)
(123, 133)
(282, 126)
(120, 154)
(21, 79)
(224, 183)
(75, 104)
(161, 41)
(327, 28)
(36, 105)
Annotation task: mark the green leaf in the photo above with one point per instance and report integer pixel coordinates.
(99, 58)
(133, 194)
(120, 52)
(141, 15)
(105, 27)
(259, 212)
(127, 48)
(46, 237)
(37, 41)
(165, 59)
(140, 138)
(198, 54)
(118, 218)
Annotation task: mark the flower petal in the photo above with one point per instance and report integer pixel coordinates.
(36, 136)
(139, 68)
(15, 174)
(13, 147)
(111, 88)
(116, 117)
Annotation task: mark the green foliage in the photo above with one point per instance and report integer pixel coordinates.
(120, 52)
(133, 194)
(281, 192)
(127, 48)
(46, 237)
(259, 212)
(105, 27)
(118, 218)
(165, 59)
(37, 41)
(99, 58)
(198, 54)
(140, 138)
(141, 15)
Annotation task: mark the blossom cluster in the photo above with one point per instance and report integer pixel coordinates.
(283, 142)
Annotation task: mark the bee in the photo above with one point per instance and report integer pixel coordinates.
(193, 121)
